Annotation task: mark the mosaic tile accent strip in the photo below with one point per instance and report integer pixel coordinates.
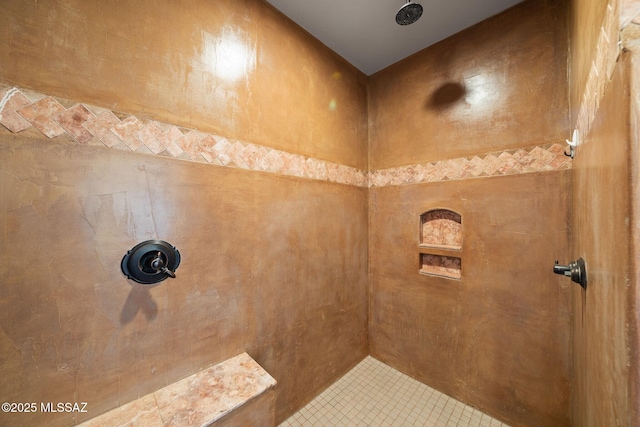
(87, 124)
(629, 12)
(507, 162)
(607, 52)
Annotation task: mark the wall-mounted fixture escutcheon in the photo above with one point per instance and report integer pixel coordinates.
(577, 270)
(151, 262)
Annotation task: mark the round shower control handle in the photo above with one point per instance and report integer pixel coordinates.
(171, 274)
(151, 262)
(158, 264)
(576, 270)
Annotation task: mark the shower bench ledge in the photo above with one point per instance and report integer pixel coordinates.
(234, 392)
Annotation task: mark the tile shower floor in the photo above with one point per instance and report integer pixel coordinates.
(374, 394)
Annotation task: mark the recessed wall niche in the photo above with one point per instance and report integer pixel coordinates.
(441, 228)
(440, 240)
(440, 265)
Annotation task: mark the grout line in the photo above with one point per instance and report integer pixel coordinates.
(374, 394)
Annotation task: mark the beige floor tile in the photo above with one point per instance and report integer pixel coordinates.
(374, 394)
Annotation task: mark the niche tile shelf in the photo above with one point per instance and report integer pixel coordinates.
(441, 228)
(441, 243)
(440, 265)
(212, 397)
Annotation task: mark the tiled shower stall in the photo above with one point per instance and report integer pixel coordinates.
(326, 219)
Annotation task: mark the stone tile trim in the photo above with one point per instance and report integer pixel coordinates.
(508, 162)
(86, 124)
(608, 49)
(22, 109)
(629, 12)
(198, 400)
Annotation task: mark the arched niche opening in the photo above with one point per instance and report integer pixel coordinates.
(441, 243)
(441, 228)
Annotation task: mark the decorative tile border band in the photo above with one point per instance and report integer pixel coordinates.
(508, 162)
(602, 66)
(86, 124)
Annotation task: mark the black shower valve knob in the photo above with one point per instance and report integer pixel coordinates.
(159, 265)
(577, 270)
(151, 262)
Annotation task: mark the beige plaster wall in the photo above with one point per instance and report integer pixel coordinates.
(233, 68)
(501, 84)
(272, 265)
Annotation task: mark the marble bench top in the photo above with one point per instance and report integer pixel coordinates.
(197, 400)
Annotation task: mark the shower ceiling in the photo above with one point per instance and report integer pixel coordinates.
(365, 33)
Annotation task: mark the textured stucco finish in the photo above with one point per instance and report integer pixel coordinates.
(238, 69)
(501, 84)
(604, 230)
(273, 266)
(498, 338)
